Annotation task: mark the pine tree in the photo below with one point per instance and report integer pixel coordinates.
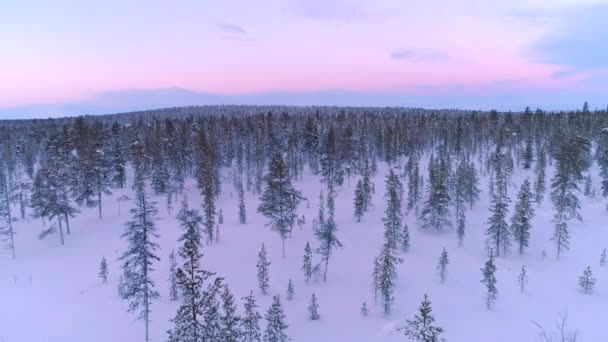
(539, 183)
(7, 233)
(103, 270)
(603, 258)
(435, 214)
(307, 263)
(522, 279)
(332, 171)
(521, 220)
(250, 326)
(326, 234)
(173, 295)
(405, 238)
(460, 230)
(586, 281)
(528, 155)
(220, 217)
(364, 310)
(414, 192)
(262, 266)
(442, 266)
(313, 308)
(359, 201)
(489, 280)
(387, 276)
(393, 218)
(207, 182)
(242, 209)
(498, 230)
(421, 328)
(139, 256)
(290, 290)
(212, 324)
(279, 201)
(275, 322)
(229, 321)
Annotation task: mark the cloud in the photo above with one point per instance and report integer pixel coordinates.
(421, 55)
(231, 28)
(579, 42)
(340, 10)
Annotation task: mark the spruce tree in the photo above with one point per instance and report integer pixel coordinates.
(489, 280)
(460, 230)
(307, 263)
(435, 215)
(522, 279)
(521, 220)
(442, 266)
(586, 281)
(290, 290)
(422, 328)
(229, 320)
(279, 201)
(263, 272)
(140, 255)
(387, 276)
(393, 218)
(498, 230)
(250, 323)
(326, 234)
(364, 310)
(103, 270)
(359, 201)
(539, 182)
(275, 322)
(405, 238)
(207, 182)
(7, 233)
(173, 295)
(313, 308)
(242, 209)
(603, 259)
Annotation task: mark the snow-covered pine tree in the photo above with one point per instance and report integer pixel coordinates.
(422, 328)
(393, 218)
(522, 217)
(588, 192)
(587, 281)
(250, 323)
(522, 279)
(442, 266)
(602, 159)
(280, 200)
(498, 230)
(212, 325)
(435, 215)
(364, 310)
(173, 294)
(405, 238)
(603, 258)
(229, 320)
(387, 276)
(103, 270)
(242, 208)
(263, 272)
(539, 182)
(140, 255)
(205, 176)
(332, 171)
(460, 230)
(276, 325)
(359, 201)
(489, 280)
(290, 290)
(7, 233)
(307, 263)
(220, 217)
(326, 234)
(414, 192)
(313, 308)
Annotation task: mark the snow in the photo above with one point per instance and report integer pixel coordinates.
(52, 292)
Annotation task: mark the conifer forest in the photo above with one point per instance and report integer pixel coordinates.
(275, 223)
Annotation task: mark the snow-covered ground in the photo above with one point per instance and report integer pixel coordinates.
(52, 292)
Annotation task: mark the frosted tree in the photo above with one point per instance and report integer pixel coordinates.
(586, 281)
(405, 238)
(522, 279)
(326, 234)
(522, 217)
(276, 325)
(364, 310)
(422, 327)
(435, 215)
(279, 201)
(539, 182)
(489, 280)
(442, 266)
(290, 290)
(205, 175)
(359, 201)
(332, 170)
(387, 276)
(263, 272)
(603, 258)
(220, 217)
(460, 229)
(7, 233)
(140, 255)
(103, 271)
(229, 320)
(393, 218)
(173, 294)
(313, 308)
(250, 323)
(307, 263)
(498, 231)
(242, 208)
(414, 193)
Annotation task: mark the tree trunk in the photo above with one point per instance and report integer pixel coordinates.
(67, 224)
(60, 230)
(99, 202)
